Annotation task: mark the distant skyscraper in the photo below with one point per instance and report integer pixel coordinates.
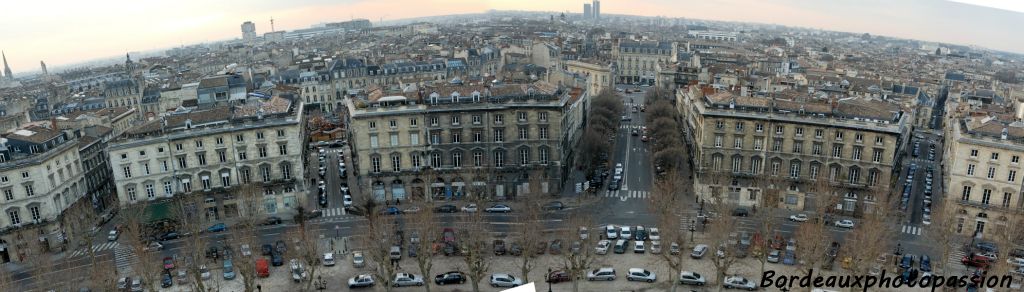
(42, 65)
(7, 69)
(597, 9)
(587, 14)
(248, 31)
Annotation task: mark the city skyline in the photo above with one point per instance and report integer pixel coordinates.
(962, 22)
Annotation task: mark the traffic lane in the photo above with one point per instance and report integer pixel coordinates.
(27, 279)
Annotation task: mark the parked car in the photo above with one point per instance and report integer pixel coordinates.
(391, 211)
(266, 249)
(153, 246)
(504, 280)
(553, 206)
(602, 246)
(498, 208)
(625, 233)
(515, 249)
(641, 275)
(169, 236)
(699, 251)
(357, 259)
(691, 278)
(798, 218)
(655, 247)
(611, 232)
(738, 282)
(975, 260)
(204, 272)
(558, 276)
(774, 256)
(584, 233)
(281, 246)
(166, 281)
(640, 233)
(845, 223)
(740, 212)
(499, 247)
(655, 234)
(217, 227)
(229, 270)
(406, 279)
(620, 246)
(471, 208)
(113, 235)
(453, 277)
(446, 209)
(674, 248)
(638, 246)
(601, 274)
(168, 263)
(276, 259)
(246, 251)
(328, 259)
(360, 281)
(555, 247)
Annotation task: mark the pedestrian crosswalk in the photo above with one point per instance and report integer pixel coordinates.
(124, 258)
(333, 212)
(910, 229)
(630, 127)
(955, 258)
(627, 194)
(95, 248)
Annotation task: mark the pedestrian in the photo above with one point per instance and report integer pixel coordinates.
(397, 202)
(259, 288)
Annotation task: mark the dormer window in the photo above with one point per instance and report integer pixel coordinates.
(455, 97)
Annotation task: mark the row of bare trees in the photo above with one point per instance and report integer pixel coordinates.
(602, 122)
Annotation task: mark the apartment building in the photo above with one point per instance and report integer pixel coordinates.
(454, 140)
(40, 178)
(600, 74)
(210, 153)
(982, 163)
(742, 141)
(638, 61)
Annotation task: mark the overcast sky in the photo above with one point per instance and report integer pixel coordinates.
(69, 31)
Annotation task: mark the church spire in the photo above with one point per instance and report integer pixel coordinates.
(7, 68)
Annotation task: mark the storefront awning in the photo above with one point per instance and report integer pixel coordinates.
(158, 212)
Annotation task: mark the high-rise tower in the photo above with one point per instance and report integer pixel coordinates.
(248, 31)
(42, 65)
(7, 68)
(597, 9)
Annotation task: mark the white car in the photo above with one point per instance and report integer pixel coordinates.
(364, 280)
(406, 279)
(618, 168)
(638, 246)
(346, 201)
(602, 274)
(691, 278)
(584, 233)
(654, 234)
(845, 223)
(798, 218)
(471, 208)
(246, 250)
(656, 247)
(357, 259)
(738, 282)
(504, 280)
(926, 219)
(602, 246)
(1018, 262)
(499, 208)
(611, 232)
(112, 236)
(641, 275)
(329, 259)
(625, 233)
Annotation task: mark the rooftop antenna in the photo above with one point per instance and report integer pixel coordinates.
(272, 24)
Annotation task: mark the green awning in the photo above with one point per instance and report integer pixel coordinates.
(159, 212)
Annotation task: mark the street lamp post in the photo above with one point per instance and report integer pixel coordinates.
(337, 231)
(693, 227)
(549, 280)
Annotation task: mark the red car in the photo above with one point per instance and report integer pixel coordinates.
(168, 263)
(558, 277)
(975, 260)
(448, 235)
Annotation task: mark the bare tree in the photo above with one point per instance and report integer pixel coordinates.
(813, 237)
(473, 248)
(526, 235)
(424, 227)
(306, 249)
(246, 231)
(577, 262)
(772, 191)
(665, 202)
(718, 235)
(380, 236)
(941, 233)
(136, 236)
(869, 239)
(191, 223)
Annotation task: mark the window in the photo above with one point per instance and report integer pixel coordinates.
(995, 156)
(818, 133)
(413, 122)
(373, 141)
(543, 155)
(282, 149)
(970, 169)
(206, 182)
(435, 137)
(3, 179)
(524, 156)
(242, 155)
(394, 139)
(179, 146)
(778, 130)
(186, 185)
(991, 173)
(856, 152)
(478, 159)
(800, 132)
(872, 178)
(246, 175)
(163, 165)
(396, 162)
(477, 119)
(737, 164)
(240, 138)
(737, 142)
(858, 137)
(127, 172)
(814, 171)
(543, 133)
(966, 194)
(393, 124)
(716, 162)
(142, 152)
(739, 126)
(837, 151)
(499, 159)
(478, 136)
(816, 148)
(160, 149)
(798, 147)
(375, 164)
(150, 191)
(542, 116)
(1014, 159)
(854, 175)
(202, 158)
(833, 173)
(877, 156)
(457, 159)
(222, 156)
(372, 125)
(522, 116)
(879, 140)
(415, 161)
(280, 133)
(718, 141)
(499, 119)
(8, 194)
(265, 172)
(1012, 176)
(758, 143)
(777, 145)
(758, 127)
(839, 135)
(1006, 199)
(456, 120)
(986, 196)
(199, 144)
(168, 190)
(414, 138)
(29, 191)
(719, 125)
(14, 216)
(775, 167)
(524, 134)
(435, 160)
(974, 152)
(499, 135)
(794, 169)
(145, 168)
